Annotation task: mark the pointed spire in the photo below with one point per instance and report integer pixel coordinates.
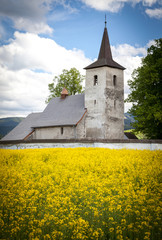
(105, 55)
(105, 50)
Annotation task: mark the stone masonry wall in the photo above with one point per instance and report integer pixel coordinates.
(105, 104)
(114, 96)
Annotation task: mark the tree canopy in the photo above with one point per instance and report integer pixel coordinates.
(70, 79)
(146, 93)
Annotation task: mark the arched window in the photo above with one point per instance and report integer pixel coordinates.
(114, 80)
(95, 102)
(95, 80)
(62, 130)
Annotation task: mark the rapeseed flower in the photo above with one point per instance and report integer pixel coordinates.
(86, 193)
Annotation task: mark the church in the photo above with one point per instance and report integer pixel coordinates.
(96, 114)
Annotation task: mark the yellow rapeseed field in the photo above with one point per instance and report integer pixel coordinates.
(80, 193)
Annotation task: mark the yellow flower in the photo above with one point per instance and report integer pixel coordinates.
(78, 193)
(111, 229)
(130, 226)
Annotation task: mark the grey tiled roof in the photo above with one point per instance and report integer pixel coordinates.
(59, 112)
(62, 112)
(23, 129)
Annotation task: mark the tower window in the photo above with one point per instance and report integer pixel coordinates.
(95, 80)
(94, 102)
(62, 130)
(114, 104)
(114, 80)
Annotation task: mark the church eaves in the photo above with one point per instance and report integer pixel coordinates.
(105, 56)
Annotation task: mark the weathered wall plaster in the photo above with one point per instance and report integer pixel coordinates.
(104, 103)
(69, 132)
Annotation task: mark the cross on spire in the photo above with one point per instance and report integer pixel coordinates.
(105, 21)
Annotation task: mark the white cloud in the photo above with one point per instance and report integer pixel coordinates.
(128, 50)
(31, 15)
(128, 56)
(30, 51)
(102, 5)
(27, 15)
(150, 43)
(149, 2)
(37, 27)
(115, 5)
(22, 91)
(154, 13)
(27, 65)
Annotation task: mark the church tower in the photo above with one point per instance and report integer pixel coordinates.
(104, 95)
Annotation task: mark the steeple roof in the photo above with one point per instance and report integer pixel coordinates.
(105, 56)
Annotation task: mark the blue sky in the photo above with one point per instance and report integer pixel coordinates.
(40, 38)
(130, 25)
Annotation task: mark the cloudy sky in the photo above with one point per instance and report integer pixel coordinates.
(40, 38)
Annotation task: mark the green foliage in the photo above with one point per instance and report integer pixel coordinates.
(146, 93)
(128, 120)
(139, 135)
(70, 79)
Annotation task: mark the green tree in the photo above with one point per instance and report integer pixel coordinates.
(70, 79)
(146, 93)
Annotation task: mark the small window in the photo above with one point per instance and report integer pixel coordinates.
(94, 102)
(62, 130)
(114, 104)
(95, 80)
(114, 80)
